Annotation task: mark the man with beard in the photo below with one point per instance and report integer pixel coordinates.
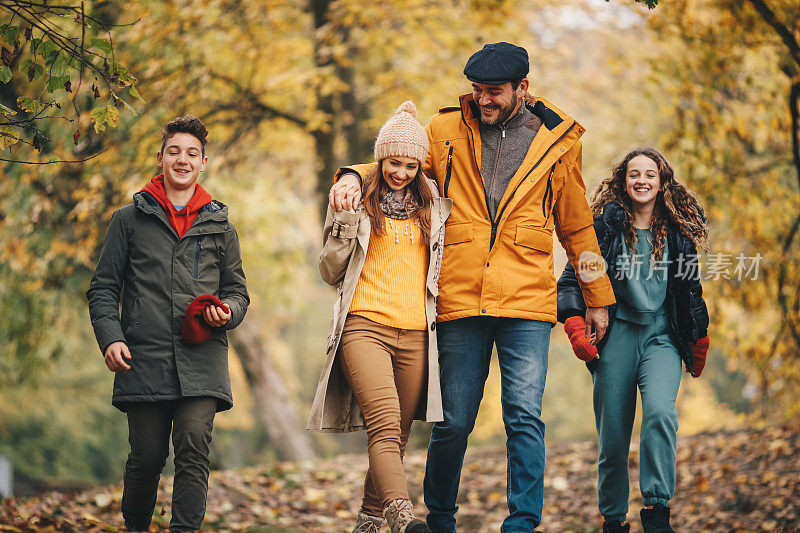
(511, 164)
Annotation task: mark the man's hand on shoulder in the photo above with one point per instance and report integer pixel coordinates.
(345, 193)
(216, 316)
(116, 353)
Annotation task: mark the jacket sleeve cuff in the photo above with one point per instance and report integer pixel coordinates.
(345, 225)
(598, 293)
(107, 334)
(237, 316)
(351, 173)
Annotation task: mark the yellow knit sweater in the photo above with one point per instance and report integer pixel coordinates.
(391, 288)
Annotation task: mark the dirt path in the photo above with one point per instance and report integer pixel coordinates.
(727, 482)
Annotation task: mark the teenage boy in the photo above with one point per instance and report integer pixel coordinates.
(162, 252)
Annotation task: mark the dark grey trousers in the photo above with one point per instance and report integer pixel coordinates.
(190, 420)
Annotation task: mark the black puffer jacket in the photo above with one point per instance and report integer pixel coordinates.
(686, 309)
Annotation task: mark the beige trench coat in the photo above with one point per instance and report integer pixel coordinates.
(335, 408)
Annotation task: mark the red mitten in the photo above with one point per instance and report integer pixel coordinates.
(195, 329)
(575, 327)
(699, 351)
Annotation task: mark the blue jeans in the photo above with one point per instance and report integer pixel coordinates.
(465, 348)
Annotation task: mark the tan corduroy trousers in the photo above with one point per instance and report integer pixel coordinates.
(386, 368)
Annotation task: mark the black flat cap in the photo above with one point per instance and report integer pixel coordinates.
(497, 63)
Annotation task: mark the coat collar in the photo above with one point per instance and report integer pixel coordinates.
(213, 211)
(554, 119)
(558, 134)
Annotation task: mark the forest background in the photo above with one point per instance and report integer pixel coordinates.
(290, 90)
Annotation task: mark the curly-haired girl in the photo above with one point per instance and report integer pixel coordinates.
(648, 226)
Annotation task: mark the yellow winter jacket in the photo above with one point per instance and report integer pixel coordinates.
(504, 267)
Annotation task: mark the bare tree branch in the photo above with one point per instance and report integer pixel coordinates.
(54, 161)
(786, 35)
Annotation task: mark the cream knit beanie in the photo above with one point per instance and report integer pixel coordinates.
(402, 135)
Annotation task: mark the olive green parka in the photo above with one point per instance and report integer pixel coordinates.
(155, 274)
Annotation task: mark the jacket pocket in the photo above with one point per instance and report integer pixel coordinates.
(534, 238)
(197, 251)
(457, 233)
(130, 318)
(333, 329)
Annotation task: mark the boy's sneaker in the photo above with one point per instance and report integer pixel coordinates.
(615, 527)
(656, 520)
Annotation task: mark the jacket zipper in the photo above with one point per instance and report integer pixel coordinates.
(198, 249)
(449, 171)
(547, 192)
(496, 221)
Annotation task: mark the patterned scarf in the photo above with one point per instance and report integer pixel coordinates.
(398, 208)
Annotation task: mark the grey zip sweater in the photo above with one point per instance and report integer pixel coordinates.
(503, 148)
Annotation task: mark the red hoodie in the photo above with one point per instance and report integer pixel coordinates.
(179, 220)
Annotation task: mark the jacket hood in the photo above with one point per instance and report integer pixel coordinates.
(156, 187)
(180, 219)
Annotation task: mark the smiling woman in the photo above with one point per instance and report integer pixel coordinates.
(382, 353)
(398, 171)
(642, 183)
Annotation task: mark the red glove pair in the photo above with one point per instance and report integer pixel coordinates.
(699, 351)
(575, 327)
(195, 329)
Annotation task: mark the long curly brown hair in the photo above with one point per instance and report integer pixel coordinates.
(675, 203)
(375, 188)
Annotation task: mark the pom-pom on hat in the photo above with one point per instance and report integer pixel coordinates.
(402, 135)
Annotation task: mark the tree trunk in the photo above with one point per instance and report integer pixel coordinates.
(324, 137)
(272, 406)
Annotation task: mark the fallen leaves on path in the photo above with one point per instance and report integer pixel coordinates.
(747, 481)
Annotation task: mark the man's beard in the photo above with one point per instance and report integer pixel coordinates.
(504, 114)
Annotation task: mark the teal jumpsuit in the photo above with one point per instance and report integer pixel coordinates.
(639, 352)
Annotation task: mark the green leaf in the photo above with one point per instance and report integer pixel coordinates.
(101, 44)
(122, 75)
(30, 105)
(10, 33)
(56, 83)
(59, 66)
(48, 50)
(28, 67)
(7, 110)
(8, 136)
(5, 74)
(112, 115)
(135, 93)
(99, 115)
(128, 107)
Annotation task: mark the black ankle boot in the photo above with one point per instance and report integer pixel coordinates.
(615, 527)
(417, 526)
(656, 520)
